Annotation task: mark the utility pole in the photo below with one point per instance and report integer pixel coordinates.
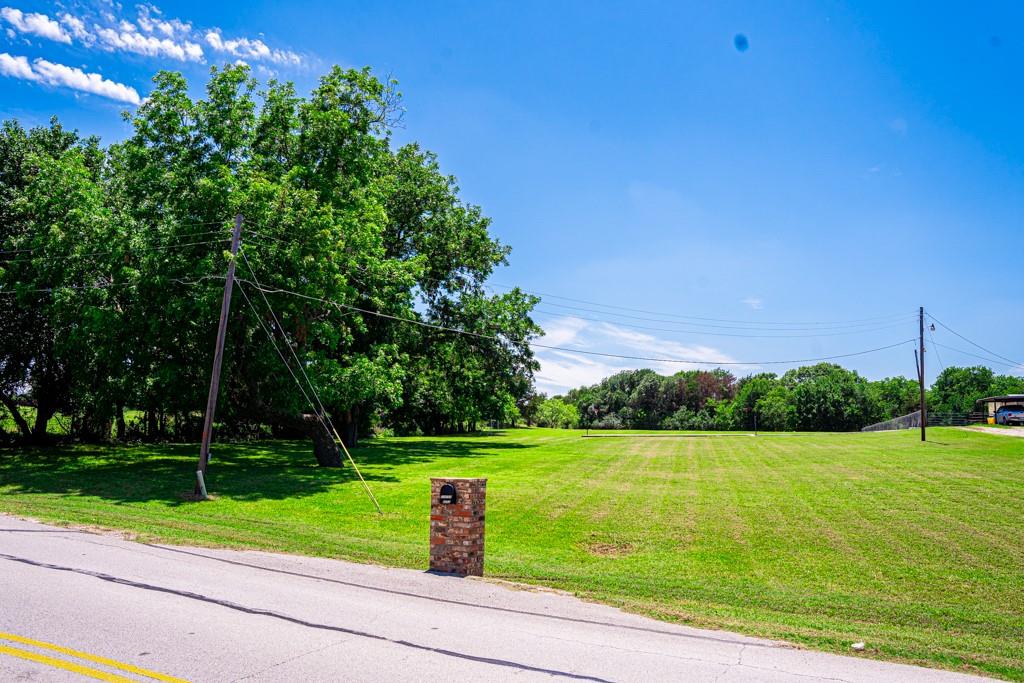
(218, 357)
(920, 372)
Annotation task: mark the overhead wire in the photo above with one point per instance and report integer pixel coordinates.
(938, 357)
(323, 411)
(975, 344)
(979, 357)
(170, 225)
(148, 249)
(727, 334)
(110, 285)
(752, 326)
(279, 290)
(695, 321)
(698, 318)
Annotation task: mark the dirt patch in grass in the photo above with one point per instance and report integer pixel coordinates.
(604, 549)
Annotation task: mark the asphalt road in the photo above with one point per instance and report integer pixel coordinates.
(78, 606)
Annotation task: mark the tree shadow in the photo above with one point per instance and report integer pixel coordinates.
(252, 471)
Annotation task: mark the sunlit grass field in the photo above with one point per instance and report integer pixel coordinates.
(825, 539)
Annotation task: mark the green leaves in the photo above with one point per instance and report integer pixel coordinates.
(350, 238)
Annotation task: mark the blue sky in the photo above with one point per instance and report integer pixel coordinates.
(856, 161)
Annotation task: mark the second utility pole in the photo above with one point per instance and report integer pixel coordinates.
(920, 370)
(218, 357)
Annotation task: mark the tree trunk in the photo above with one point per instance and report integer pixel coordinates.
(16, 414)
(92, 427)
(122, 431)
(350, 429)
(44, 411)
(325, 450)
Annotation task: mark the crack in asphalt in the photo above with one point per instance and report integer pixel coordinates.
(291, 659)
(605, 646)
(448, 601)
(302, 622)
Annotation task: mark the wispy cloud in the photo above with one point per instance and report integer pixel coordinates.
(147, 33)
(128, 38)
(59, 75)
(755, 303)
(898, 126)
(564, 370)
(151, 20)
(35, 24)
(250, 48)
(76, 27)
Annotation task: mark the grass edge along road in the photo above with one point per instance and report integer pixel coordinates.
(817, 539)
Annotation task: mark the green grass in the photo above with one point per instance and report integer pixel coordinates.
(916, 549)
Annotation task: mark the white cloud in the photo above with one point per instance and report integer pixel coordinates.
(76, 27)
(648, 345)
(151, 21)
(129, 39)
(755, 303)
(563, 370)
(35, 24)
(247, 48)
(16, 67)
(60, 75)
(150, 34)
(563, 331)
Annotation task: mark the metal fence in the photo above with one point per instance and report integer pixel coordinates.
(934, 420)
(903, 422)
(955, 419)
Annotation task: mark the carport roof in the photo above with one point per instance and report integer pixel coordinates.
(1001, 399)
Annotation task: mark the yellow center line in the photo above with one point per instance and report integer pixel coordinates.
(61, 664)
(85, 671)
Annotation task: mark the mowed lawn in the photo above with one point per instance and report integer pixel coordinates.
(825, 539)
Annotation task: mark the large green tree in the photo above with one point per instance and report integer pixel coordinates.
(371, 269)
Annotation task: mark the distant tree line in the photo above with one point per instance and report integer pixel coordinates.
(822, 397)
(112, 264)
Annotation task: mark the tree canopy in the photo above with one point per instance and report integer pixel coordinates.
(112, 262)
(822, 397)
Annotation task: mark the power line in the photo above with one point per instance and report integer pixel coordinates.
(323, 411)
(168, 225)
(685, 319)
(729, 327)
(726, 334)
(443, 328)
(931, 335)
(698, 318)
(1008, 360)
(974, 355)
(110, 285)
(69, 257)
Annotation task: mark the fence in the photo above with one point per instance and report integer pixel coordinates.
(903, 422)
(954, 419)
(934, 420)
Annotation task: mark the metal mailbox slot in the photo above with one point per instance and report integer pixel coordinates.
(447, 494)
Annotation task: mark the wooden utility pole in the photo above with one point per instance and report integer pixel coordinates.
(218, 357)
(920, 372)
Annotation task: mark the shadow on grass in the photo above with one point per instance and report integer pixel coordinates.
(268, 470)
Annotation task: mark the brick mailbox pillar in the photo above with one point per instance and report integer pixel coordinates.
(457, 525)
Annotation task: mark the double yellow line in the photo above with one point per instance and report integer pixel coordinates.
(80, 669)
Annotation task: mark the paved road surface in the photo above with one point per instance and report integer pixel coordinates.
(76, 605)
